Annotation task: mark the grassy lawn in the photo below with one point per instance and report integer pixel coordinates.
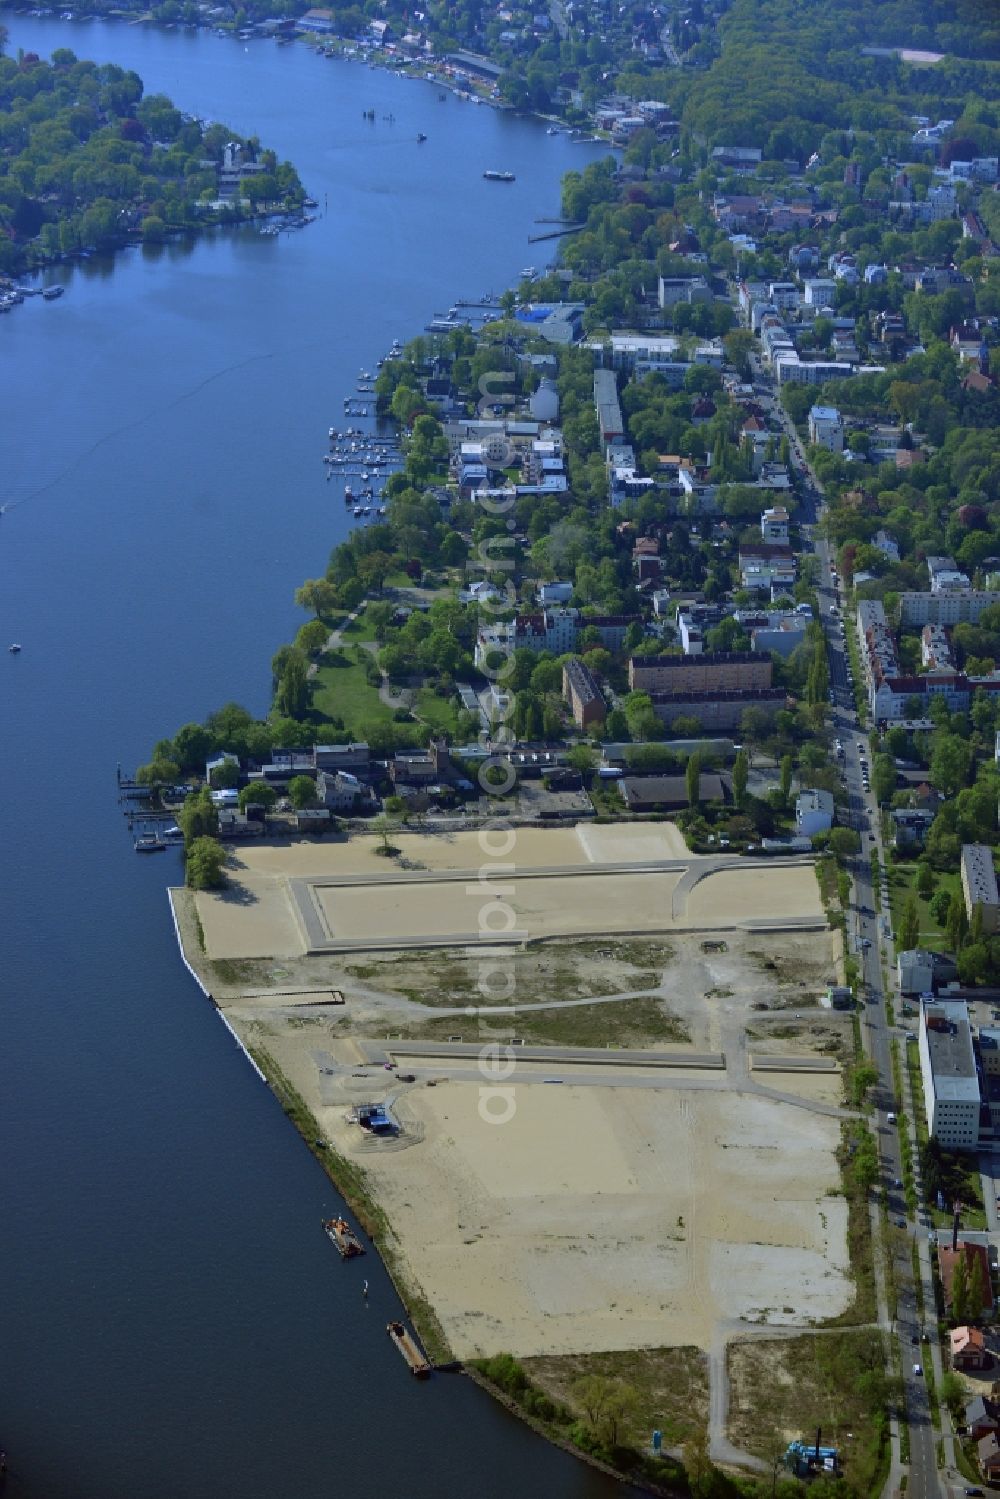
(785, 1389)
(341, 690)
(438, 713)
(901, 883)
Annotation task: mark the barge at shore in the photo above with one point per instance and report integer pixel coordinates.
(341, 1234)
(410, 1349)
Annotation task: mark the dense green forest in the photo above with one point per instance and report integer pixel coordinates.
(86, 161)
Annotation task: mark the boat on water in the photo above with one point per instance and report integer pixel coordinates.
(410, 1349)
(421, 137)
(149, 843)
(499, 176)
(528, 272)
(357, 510)
(51, 292)
(14, 649)
(342, 1236)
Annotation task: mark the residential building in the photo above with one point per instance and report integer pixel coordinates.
(969, 1352)
(553, 630)
(339, 790)
(946, 576)
(935, 648)
(321, 21)
(886, 545)
(980, 1412)
(813, 812)
(691, 634)
(690, 289)
(946, 608)
(979, 886)
(819, 292)
(609, 412)
(774, 526)
(354, 757)
(412, 768)
(988, 1456)
(826, 428)
(950, 1078)
(910, 826)
(718, 711)
(922, 972)
(710, 672)
(581, 691)
(769, 567)
(554, 593)
(667, 793)
(774, 632)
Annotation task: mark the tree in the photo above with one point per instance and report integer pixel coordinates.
(844, 843)
(741, 769)
(385, 826)
(883, 778)
(159, 772)
(192, 746)
(582, 758)
(974, 966)
(227, 776)
(692, 779)
(957, 922)
(258, 794)
(863, 1077)
(978, 1289)
(925, 880)
(317, 594)
(292, 696)
(950, 761)
(198, 818)
(301, 792)
(961, 1299)
(908, 934)
(940, 904)
(205, 864)
(786, 777)
(312, 637)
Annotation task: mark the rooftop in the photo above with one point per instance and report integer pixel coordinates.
(953, 1064)
(980, 876)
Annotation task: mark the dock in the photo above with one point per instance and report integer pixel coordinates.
(410, 1349)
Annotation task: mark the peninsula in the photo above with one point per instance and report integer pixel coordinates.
(90, 164)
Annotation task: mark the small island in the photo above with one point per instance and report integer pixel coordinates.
(88, 162)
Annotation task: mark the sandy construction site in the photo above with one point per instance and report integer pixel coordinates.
(604, 1213)
(630, 1199)
(298, 898)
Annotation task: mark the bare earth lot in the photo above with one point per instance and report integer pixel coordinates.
(288, 899)
(626, 1207)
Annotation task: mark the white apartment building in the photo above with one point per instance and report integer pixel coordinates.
(826, 428)
(948, 1068)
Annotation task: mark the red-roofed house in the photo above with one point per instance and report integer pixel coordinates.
(968, 1349)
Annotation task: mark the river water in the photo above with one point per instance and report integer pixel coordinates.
(173, 1319)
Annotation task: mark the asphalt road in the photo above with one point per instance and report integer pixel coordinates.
(871, 941)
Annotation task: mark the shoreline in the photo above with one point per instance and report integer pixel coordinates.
(348, 1183)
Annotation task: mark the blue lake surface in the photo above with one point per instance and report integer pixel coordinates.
(173, 1320)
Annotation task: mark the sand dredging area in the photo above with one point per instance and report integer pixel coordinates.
(572, 1204)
